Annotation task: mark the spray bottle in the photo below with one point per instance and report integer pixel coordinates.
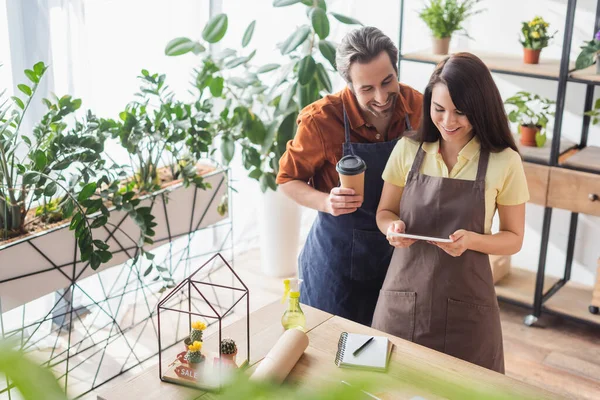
(293, 317)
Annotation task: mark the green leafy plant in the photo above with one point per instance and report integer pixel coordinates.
(535, 34)
(594, 113)
(54, 163)
(589, 53)
(444, 17)
(262, 102)
(33, 381)
(531, 110)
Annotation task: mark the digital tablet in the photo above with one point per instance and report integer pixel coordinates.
(419, 237)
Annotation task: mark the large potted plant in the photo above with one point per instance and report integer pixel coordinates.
(589, 54)
(259, 115)
(532, 112)
(444, 17)
(534, 38)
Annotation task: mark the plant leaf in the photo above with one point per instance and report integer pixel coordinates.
(32, 76)
(216, 86)
(306, 69)
(295, 39)
(18, 102)
(248, 34)
(328, 51)
(323, 77)
(320, 23)
(267, 68)
(87, 191)
(284, 3)
(179, 46)
(346, 20)
(215, 28)
(50, 189)
(39, 68)
(25, 89)
(227, 150)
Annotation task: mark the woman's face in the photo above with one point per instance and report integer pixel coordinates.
(452, 123)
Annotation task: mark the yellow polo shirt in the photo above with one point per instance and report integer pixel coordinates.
(505, 181)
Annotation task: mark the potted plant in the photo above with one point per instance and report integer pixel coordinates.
(444, 17)
(589, 54)
(260, 111)
(228, 350)
(532, 113)
(534, 38)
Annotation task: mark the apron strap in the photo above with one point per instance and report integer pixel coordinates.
(347, 130)
(408, 125)
(484, 157)
(416, 165)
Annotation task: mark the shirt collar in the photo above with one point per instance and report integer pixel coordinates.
(470, 150)
(354, 112)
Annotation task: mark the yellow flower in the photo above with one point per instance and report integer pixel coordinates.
(535, 35)
(196, 346)
(199, 326)
(531, 23)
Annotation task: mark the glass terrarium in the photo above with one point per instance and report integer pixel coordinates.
(207, 316)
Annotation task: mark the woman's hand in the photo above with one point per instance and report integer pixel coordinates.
(398, 226)
(460, 243)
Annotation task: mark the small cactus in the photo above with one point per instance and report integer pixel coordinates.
(197, 331)
(194, 356)
(228, 346)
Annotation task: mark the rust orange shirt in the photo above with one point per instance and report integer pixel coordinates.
(317, 147)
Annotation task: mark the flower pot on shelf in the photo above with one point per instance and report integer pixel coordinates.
(441, 46)
(531, 56)
(528, 135)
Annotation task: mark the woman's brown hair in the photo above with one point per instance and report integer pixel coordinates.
(475, 94)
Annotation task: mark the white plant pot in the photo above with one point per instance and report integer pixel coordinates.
(279, 225)
(43, 263)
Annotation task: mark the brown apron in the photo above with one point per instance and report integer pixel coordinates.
(431, 298)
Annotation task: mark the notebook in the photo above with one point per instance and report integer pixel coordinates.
(373, 357)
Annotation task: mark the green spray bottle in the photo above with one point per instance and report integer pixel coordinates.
(293, 317)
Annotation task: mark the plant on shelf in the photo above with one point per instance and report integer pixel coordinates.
(263, 102)
(594, 113)
(444, 17)
(56, 167)
(534, 38)
(197, 331)
(589, 54)
(532, 113)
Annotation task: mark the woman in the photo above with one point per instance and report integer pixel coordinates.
(448, 184)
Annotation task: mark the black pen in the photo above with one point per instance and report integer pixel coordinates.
(362, 346)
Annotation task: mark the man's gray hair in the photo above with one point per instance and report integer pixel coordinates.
(363, 45)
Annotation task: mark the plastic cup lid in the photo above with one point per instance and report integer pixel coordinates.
(351, 165)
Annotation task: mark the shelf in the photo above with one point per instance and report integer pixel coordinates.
(587, 158)
(518, 286)
(572, 300)
(587, 75)
(542, 154)
(500, 63)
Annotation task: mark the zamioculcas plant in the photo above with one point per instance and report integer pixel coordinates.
(55, 165)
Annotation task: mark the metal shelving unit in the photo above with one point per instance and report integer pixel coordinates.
(536, 291)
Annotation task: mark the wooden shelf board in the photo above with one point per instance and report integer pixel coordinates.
(571, 300)
(588, 157)
(542, 154)
(588, 75)
(498, 62)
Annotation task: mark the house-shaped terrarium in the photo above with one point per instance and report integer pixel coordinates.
(199, 314)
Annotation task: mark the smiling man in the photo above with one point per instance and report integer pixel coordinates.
(345, 258)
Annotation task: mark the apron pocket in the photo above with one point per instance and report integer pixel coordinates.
(474, 334)
(395, 313)
(371, 255)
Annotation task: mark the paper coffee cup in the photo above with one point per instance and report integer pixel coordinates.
(351, 169)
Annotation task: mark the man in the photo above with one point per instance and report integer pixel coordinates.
(345, 258)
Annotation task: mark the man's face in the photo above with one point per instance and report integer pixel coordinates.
(375, 85)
